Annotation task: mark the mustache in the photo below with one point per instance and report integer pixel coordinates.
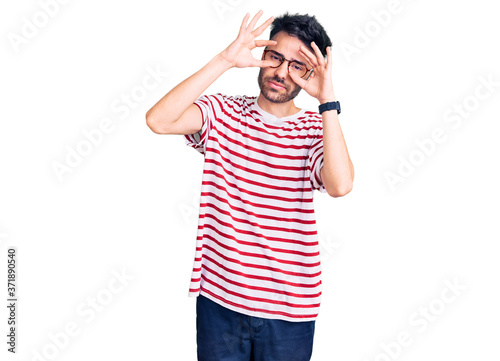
(277, 80)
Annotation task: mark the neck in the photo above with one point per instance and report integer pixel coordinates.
(279, 110)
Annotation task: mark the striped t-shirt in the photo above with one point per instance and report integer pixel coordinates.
(257, 249)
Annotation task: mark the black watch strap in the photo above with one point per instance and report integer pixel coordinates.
(329, 106)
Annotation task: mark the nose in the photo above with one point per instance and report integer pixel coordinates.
(282, 70)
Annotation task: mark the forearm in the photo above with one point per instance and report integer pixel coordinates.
(337, 173)
(169, 108)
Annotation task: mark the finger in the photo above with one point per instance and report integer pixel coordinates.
(262, 63)
(263, 27)
(298, 80)
(319, 55)
(310, 56)
(254, 20)
(244, 23)
(265, 42)
(328, 58)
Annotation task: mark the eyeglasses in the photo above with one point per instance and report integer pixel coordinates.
(293, 65)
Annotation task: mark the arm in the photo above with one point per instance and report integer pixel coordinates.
(337, 172)
(175, 113)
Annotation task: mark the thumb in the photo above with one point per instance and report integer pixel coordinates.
(262, 63)
(298, 80)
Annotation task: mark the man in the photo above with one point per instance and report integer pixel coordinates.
(257, 268)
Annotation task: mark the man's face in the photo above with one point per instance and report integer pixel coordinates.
(275, 83)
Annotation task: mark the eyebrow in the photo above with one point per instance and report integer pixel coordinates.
(292, 59)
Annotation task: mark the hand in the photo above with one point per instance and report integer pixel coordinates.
(319, 85)
(239, 53)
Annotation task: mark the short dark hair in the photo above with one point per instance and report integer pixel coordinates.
(305, 27)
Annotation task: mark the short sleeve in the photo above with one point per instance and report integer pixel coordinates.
(315, 162)
(199, 139)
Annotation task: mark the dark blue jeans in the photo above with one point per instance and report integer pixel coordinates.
(225, 335)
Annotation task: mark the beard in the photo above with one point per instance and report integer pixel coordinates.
(275, 95)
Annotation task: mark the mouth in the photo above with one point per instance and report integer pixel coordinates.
(276, 86)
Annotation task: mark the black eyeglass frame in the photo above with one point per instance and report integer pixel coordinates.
(283, 59)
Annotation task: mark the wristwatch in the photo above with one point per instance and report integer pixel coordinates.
(329, 106)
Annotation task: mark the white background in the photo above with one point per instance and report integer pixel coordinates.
(130, 204)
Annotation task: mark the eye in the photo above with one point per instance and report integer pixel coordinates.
(298, 67)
